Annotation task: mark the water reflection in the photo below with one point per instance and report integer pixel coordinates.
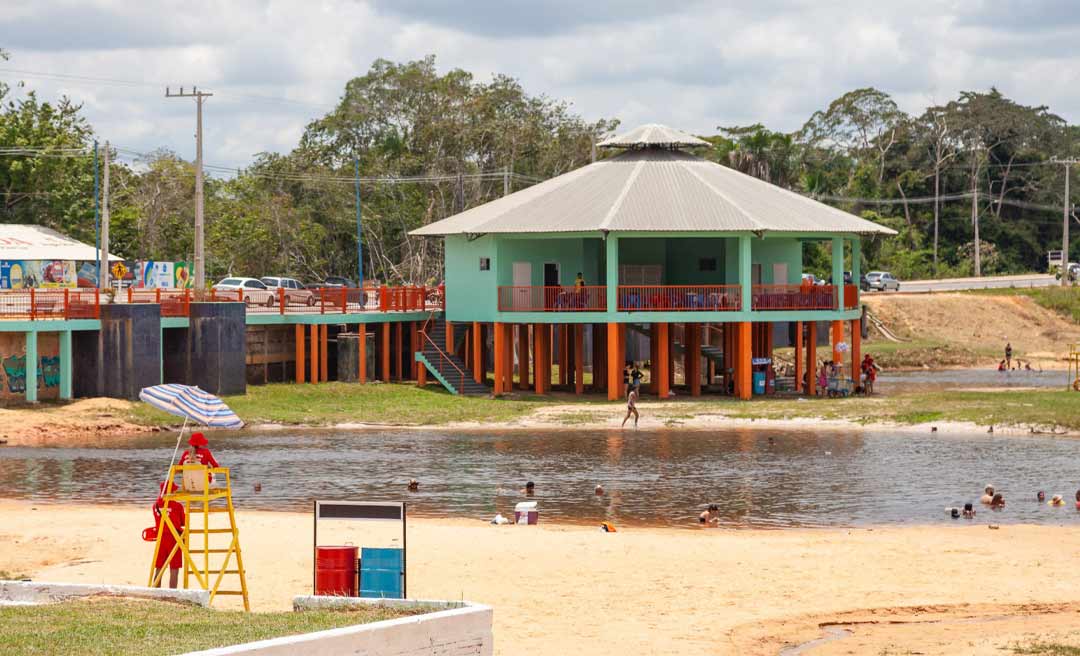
(759, 478)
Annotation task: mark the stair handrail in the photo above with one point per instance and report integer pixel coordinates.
(442, 354)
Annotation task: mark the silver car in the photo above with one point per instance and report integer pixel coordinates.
(882, 281)
(294, 290)
(254, 291)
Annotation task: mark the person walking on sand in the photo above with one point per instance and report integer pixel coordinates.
(1008, 355)
(631, 406)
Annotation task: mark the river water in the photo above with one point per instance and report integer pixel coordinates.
(759, 478)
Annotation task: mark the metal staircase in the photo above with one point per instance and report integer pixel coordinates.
(446, 367)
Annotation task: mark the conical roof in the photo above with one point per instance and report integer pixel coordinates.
(653, 190)
(653, 135)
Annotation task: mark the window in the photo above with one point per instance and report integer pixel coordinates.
(706, 264)
(254, 284)
(485, 264)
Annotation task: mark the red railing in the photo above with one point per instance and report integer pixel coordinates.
(173, 302)
(45, 304)
(679, 298)
(561, 298)
(446, 367)
(851, 297)
(793, 297)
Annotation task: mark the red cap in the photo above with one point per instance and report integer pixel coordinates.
(198, 439)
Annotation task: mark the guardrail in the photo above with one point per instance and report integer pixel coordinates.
(793, 297)
(558, 298)
(679, 298)
(44, 304)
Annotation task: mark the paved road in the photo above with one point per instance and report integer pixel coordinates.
(986, 282)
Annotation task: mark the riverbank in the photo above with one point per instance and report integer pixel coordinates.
(343, 406)
(572, 589)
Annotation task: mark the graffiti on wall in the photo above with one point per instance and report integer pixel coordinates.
(14, 367)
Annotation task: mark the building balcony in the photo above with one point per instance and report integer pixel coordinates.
(679, 298)
(558, 298)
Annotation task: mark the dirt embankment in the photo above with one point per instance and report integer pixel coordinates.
(969, 329)
(82, 423)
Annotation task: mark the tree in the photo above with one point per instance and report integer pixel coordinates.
(864, 123)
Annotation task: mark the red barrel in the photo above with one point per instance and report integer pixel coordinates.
(335, 571)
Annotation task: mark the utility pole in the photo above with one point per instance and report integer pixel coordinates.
(103, 256)
(97, 214)
(199, 96)
(506, 181)
(975, 222)
(1065, 207)
(359, 231)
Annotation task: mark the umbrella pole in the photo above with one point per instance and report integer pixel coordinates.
(175, 449)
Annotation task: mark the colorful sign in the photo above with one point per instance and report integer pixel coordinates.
(24, 274)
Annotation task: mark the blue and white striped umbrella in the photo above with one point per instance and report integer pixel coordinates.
(191, 403)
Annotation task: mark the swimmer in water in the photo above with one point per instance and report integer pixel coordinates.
(711, 515)
(1056, 500)
(414, 485)
(1041, 496)
(600, 491)
(529, 489)
(969, 511)
(988, 495)
(998, 502)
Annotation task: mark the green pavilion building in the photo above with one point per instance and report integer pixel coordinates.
(701, 258)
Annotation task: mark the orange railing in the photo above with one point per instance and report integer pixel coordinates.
(679, 298)
(173, 302)
(851, 297)
(558, 298)
(793, 297)
(446, 367)
(44, 304)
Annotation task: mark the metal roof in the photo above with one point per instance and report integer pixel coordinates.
(653, 190)
(20, 241)
(653, 135)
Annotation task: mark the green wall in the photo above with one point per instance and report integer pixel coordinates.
(770, 251)
(471, 294)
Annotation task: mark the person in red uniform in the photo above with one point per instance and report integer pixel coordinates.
(199, 452)
(167, 542)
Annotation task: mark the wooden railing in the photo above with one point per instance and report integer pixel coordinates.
(793, 297)
(679, 298)
(561, 298)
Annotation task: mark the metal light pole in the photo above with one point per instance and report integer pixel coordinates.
(97, 214)
(359, 230)
(199, 96)
(103, 254)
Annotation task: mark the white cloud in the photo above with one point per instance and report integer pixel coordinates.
(277, 64)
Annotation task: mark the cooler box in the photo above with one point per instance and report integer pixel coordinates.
(526, 513)
(759, 382)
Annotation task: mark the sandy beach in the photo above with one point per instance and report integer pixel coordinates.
(572, 589)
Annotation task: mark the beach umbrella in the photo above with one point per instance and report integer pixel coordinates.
(194, 405)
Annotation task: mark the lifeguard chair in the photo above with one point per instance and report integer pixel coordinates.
(208, 562)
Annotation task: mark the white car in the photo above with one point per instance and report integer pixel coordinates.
(295, 292)
(254, 291)
(882, 281)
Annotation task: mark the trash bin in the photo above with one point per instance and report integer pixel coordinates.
(759, 382)
(526, 513)
(335, 571)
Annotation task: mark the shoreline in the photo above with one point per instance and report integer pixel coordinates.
(757, 590)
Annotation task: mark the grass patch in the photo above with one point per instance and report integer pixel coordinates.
(92, 627)
(1046, 649)
(336, 403)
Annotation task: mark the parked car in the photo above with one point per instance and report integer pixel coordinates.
(881, 281)
(338, 281)
(255, 292)
(331, 284)
(295, 292)
(811, 278)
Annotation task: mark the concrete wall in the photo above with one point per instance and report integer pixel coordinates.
(13, 366)
(471, 294)
(218, 347)
(785, 250)
(464, 629)
(27, 592)
(121, 358)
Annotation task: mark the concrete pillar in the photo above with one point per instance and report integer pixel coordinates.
(838, 271)
(384, 351)
(599, 345)
(579, 359)
(811, 358)
(745, 272)
(324, 343)
(477, 351)
(361, 353)
(611, 245)
(541, 370)
(694, 349)
(856, 260)
(614, 363)
(800, 364)
(837, 336)
(743, 367)
(31, 367)
(66, 365)
(301, 365)
(661, 333)
(523, 356)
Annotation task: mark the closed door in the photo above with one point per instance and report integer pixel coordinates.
(523, 286)
(779, 273)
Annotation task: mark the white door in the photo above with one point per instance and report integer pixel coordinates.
(523, 287)
(779, 273)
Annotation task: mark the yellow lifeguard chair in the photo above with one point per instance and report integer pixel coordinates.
(1074, 366)
(200, 498)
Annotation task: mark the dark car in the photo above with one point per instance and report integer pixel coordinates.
(331, 288)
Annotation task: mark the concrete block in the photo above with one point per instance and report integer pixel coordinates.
(29, 592)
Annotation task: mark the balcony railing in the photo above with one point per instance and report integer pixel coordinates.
(43, 304)
(793, 297)
(679, 298)
(851, 297)
(563, 298)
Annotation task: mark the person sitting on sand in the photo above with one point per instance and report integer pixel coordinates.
(631, 406)
(998, 502)
(529, 489)
(710, 515)
(969, 511)
(988, 495)
(1041, 496)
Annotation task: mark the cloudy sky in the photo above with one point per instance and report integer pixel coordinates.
(274, 65)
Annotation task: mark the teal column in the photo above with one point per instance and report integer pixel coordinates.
(856, 262)
(838, 271)
(31, 366)
(745, 275)
(611, 243)
(66, 365)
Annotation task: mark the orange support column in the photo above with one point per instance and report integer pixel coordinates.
(314, 359)
(599, 345)
(300, 364)
(743, 367)
(662, 366)
(500, 355)
(564, 355)
(579, 359)
(398, 330)
(361, 353)
(811, 358)
(856, 350)
(478, 352)
(694, 349)
(614, 367)
(508, 344)
(414, 345)
(449, 338)
(837, 337)
(384, 355)
(654, 355)
(540, 383)
(799, 365)
(324, 341)
(523, 356)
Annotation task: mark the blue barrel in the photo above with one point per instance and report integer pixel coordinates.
(759, 382)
